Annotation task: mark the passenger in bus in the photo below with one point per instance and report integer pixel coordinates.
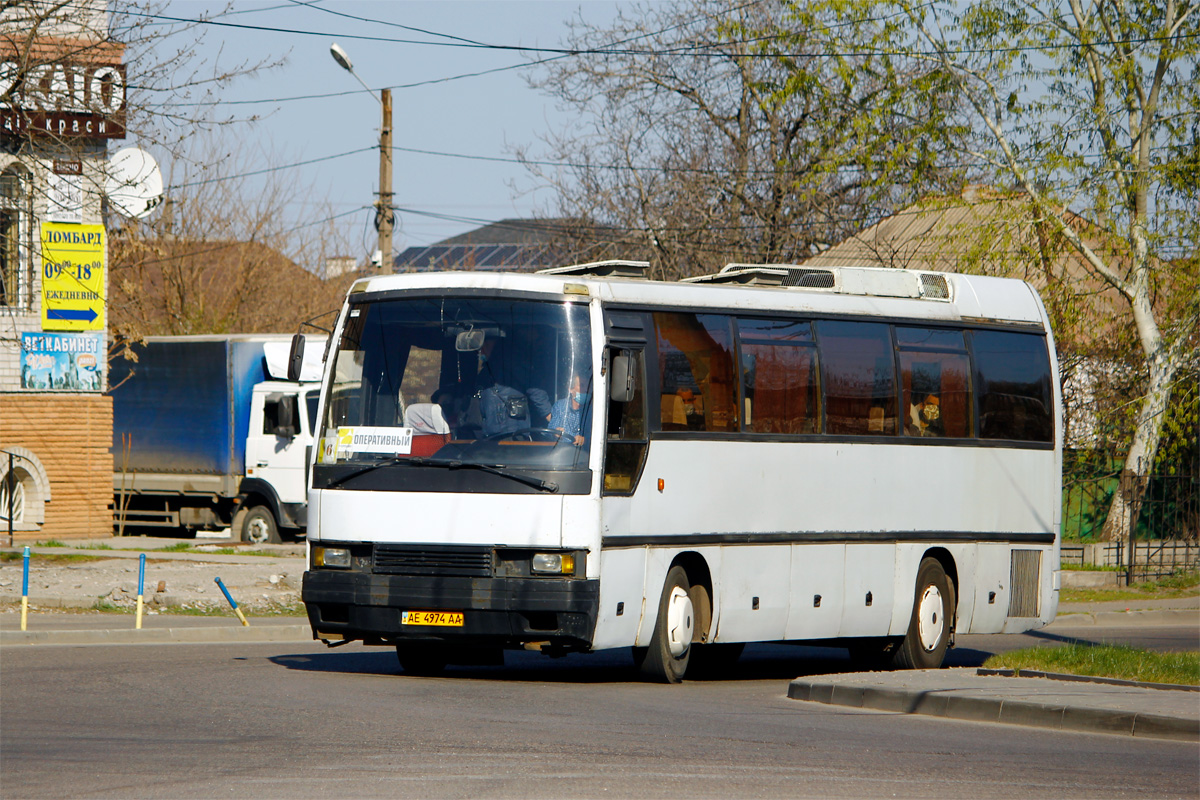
(568, 415)
(926, 417)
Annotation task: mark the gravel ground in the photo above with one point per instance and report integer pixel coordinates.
(176, 581)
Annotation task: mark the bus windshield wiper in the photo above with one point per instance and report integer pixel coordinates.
(448, 463)
(495, 469)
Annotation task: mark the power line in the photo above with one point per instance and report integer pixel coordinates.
(277, 168)
(701, 50)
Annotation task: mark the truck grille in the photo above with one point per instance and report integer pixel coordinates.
(404, 559)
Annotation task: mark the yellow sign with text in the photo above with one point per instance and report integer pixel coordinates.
(73, 259)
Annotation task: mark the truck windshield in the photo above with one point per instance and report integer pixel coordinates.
(435, 380)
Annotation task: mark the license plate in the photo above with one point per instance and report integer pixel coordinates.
(449, 619)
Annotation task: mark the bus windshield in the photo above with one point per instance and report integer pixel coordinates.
(488, 381)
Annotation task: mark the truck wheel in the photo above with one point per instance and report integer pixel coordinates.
(259, 527)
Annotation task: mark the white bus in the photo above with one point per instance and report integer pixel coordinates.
(585, 459)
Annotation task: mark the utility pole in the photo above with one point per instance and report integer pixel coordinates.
(384, 218)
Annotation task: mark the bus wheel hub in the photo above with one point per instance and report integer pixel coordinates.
(680, 622)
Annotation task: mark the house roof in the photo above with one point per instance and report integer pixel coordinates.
(992, 232)
(508, 245)
(186, 286)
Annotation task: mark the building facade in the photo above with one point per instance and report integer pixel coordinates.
(62, 101)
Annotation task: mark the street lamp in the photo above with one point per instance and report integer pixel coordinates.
(384, 219)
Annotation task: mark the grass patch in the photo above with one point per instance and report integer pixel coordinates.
(1181, 584)
(1105, 661)
(51, 558)
(49, 543)
(1091, 568)
(202, 609)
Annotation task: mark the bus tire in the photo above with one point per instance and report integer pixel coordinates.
(670, 646)
(931, 624)
(258, 527)
(421, 660)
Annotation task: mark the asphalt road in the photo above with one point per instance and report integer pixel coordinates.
(281, 720)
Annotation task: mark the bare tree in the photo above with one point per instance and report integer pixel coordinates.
(718, 132)
(224, 253)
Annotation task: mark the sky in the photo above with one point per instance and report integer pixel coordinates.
(482, 117)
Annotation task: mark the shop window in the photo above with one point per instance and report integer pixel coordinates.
(696, 372)
(859, 378)
(16, 281)
(779, 376)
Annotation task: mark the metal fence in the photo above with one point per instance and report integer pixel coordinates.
(1170, 505)
(1152, 559)
(1166, 533)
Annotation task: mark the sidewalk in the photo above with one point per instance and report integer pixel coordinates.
(964, 694)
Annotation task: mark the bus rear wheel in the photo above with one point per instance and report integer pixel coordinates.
(929, 628)
(666, 658)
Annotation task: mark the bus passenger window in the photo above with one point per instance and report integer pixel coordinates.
(779, 376)
(935, 390)
(1012, 373)
(859, 378)
(696, 369)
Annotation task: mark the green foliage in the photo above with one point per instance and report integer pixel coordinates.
(1104, 661)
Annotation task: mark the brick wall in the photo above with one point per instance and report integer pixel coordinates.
(71, 434)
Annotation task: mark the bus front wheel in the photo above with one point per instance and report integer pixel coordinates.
(666, 659)
(931, 624)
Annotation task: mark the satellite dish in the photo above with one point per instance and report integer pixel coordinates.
(134, 185)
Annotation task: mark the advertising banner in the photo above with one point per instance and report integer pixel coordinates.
(73, 277)
(68, 362)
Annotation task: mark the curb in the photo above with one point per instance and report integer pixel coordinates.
(1166, 616)
(1055, 716)
(196, 635)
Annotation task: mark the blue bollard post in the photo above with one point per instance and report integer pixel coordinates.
(25, 592)
(232, 602)
(141, 588)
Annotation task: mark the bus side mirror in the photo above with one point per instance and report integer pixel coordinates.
(295, 357)
(622, 380)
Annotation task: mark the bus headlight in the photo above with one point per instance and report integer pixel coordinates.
(336, 557)
(553, 563)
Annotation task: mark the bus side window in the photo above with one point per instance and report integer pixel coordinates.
(779, 376)
(1012, 376)
(697, 372)
(626, 432)
(935, 386)
(859, 378)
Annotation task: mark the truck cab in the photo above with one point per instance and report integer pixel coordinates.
(278, 448)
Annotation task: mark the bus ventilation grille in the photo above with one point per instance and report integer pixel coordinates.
(393, 559)
(934, 287)
(810, 278)
(1025, 581)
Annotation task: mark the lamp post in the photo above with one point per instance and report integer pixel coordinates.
(384, 218)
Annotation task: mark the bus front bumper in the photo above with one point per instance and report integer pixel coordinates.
(510, 612)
